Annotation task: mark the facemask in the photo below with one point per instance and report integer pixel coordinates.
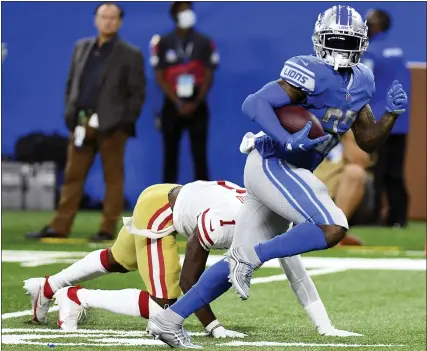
(186, 19)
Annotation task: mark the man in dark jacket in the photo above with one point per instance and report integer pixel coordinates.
(104, 95)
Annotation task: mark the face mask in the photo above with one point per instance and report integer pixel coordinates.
(186, 19)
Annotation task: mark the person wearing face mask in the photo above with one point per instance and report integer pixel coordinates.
(184, 61)
(387, 61)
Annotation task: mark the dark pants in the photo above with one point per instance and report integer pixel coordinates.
(79, 160)
(172, 127)
(389, 177)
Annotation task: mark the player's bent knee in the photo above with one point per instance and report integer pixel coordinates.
(333, 234)
(114, 266)
(355, 173)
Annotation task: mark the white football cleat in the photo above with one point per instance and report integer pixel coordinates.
(70, 312)
(39, 302)
(332, 331)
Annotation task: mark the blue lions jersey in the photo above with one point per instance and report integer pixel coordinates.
(334, 98)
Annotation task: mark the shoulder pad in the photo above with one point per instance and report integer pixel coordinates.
(305, 73)
(368, 77)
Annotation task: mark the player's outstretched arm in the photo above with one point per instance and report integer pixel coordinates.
(192, 268)
(370, 135)
(259, 107)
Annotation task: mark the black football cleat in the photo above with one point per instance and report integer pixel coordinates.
(101, 236)
(46, 232)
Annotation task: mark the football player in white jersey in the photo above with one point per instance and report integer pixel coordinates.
(203, 211)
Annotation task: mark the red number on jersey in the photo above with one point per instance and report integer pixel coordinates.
(222, 223)
(223, 184)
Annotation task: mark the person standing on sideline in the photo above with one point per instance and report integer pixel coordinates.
(104, 95)
(387, 62)
(184, 60)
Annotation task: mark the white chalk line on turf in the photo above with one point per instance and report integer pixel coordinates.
(110, 337)
(138, 338)
(290, 344)
(24, 313)
(280, 277)
(39, 258)
(96, 332)
(259, 280)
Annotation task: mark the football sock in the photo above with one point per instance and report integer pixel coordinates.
(129, 302)
(305, 290)
(89, 267)
(304, 237)
(212, 284)
(318, 315)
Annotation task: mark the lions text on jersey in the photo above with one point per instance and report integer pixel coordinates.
(334, 97)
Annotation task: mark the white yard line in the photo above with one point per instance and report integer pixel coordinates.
(280, 277)
(302, 344)
(110, 337)
(130, 333)
(137, 338)
(24, 313)
(39, 258)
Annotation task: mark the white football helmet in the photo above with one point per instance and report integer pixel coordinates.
(340, 36)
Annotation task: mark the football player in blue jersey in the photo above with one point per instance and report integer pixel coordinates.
(336, 88)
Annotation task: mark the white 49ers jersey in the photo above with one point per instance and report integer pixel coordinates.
(212, 207)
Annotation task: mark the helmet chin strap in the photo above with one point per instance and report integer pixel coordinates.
(337, 61)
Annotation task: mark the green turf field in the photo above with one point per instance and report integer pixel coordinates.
(378, 290)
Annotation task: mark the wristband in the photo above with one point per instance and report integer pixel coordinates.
(212, 326)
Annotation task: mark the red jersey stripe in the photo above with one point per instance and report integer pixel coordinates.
(156, 215)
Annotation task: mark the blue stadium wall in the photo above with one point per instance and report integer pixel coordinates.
(253, 40)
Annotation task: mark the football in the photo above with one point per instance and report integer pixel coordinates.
(294, 118)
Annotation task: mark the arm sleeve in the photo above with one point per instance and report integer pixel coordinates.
(259, 107)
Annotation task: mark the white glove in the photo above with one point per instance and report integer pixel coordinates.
(216, 330)
(332, 331)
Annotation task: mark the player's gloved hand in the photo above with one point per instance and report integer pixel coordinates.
(396, 99)
(332, 331)
(300, 141)
(216, 330)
